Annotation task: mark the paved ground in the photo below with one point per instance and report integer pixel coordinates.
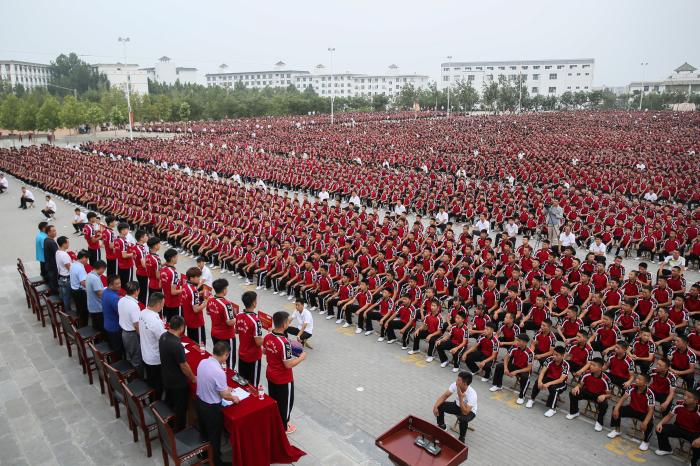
(349, 390)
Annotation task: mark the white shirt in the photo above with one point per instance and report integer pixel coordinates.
(442, 217)
(470, 396)
(323, 195)
(305, 318)
(680, 262)
(51, 205)
(207, 278)
(482, 225)
(29, 195)
(62, 260)
(399, 209)
(598, 249)
(150, 330)
(129, 313)
(4, 183)
(567, 240)
(512, 229)
(355, 200)
(80, 218)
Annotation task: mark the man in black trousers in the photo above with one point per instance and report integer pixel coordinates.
(175, 371)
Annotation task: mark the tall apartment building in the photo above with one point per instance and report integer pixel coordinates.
(542, 77)
(30, 75)
(279, 76)
(118, 73)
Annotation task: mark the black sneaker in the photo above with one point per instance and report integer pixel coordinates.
(442, 426)
(461, 439)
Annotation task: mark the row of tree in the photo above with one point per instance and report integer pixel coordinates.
(79, 95)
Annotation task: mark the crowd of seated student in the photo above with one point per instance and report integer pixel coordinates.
(411, 278)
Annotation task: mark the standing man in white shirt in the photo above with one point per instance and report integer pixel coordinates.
(442, 218)
(129, 315)
(63, 264)
(50, 210)
(26, 197)
(464, 407)
(151, 327)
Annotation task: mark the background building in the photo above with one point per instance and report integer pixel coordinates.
(279, 76)
(684, 79)
(165, 72)
(542, 77)
(117, 73)
(30, 75)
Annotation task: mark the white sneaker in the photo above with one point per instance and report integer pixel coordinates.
(484, 379)
(314, 308)
(391, 342)
(369, 332)
(412, 352)
(572, 416)
(329, 316)
(495, 388)
(613, 433)
(248, 282)
(455, 369)
(644, 446)
(663, 452)
(380, 339)
(444, 364)
(520, 401)
(429, 359)
(598, 427)
(550, 412)
(358, 331)
(529, 404)
(321, 312)
(404, 348)
(338, 321)
(275, 293)
(346, 325)
(258, 287)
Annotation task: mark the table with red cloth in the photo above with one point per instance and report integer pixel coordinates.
(257, 435)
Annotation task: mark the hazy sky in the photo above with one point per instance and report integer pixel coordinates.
(368, 35)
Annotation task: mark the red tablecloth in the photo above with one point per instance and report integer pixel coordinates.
(257, 434)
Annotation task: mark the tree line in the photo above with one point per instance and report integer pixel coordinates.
(78, 95)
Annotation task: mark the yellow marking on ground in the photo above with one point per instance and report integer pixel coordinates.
(415, 359)
(624, 447)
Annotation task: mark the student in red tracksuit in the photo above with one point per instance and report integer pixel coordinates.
(193, 305)
(686, 426)
(250, 337)
(517, 363)
(140, 252)
(594, 386)
(153, 266)
(640, 407)
(553, 377)
(170, 281)
(430, 330)
(223, 319)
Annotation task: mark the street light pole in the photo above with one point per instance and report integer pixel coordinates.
(331, 50)
(520, 91)
(449, 57)
(641, 94)
(124, 41)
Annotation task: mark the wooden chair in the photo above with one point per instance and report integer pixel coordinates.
(140, 417)
(54, 306)
(98, 358)
(69, 332)
(87, 356)
(183, 447)
(138, 387)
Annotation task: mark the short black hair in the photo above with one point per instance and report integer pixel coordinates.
(82, 254)
(169, 254)
(155, 298)
(249, 298)
(176, 322)
(221, 348)
(139, 234)
(99, 265)
(219, 285)
(109, 219)
(61, 241)
(200, 259)
(559, 350)
(466, 377)
(42, 225)
(91, 215)
(132, 287)
(152, 241)
(598, 360)
(122, 226)
(279, 318)
(524, 337)
(112, 278)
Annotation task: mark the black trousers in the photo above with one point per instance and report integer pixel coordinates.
(231, 342)
(250, 371)
(197, 334)
(523, 377)
(115, 342)
(154, 379)
(126, 275)
(476, 357)
(111, 267)
(395, 324)
(143, 288)
(283, 394)
(431, 341)
(446, 346)
(627, 411)
(450, 407)
(169, 312)
(554, 391)
(94, 255)
(80, 300)
(211, 425)
(585, 395)
(328, 304)
(178, 398)
(350, 310)
(97, 321)
(295, 331)
(367, 318)
(673, 431)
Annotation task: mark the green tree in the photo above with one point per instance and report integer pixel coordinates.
(72, 112)
(26, 118)
(407, 97)
(69, 71)
(380, 102)
(117, 116)
(95, 116)
(507, 94)
(567, 99)
(466, 95)
(47, 118)
(184, 111)
(489, 95)
(9, 113)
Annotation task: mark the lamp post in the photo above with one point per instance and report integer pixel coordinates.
(641, 94)
(124, 41)
(331, 50)
(449, 57)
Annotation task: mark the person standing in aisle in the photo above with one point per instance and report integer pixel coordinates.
(223, 319)
(63, 265)
(151, 327)
(94, 289)
(177, 374)
(250, 334)
(170, 282)
(39, 248)
(279, 373)
(108, 238)
(125, 258)
(129, 314)
(50, 249)
(78, 279)
(93, 237)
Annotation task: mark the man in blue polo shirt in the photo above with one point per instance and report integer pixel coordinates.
(39, 246)
(110, 314)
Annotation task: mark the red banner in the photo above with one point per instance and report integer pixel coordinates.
(265, 320)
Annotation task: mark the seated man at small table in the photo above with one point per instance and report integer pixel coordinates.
(211, 389)
(465, 407)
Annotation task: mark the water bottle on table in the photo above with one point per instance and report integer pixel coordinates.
(261, 392)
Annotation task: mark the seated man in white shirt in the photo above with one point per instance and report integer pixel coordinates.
(323, 195)
(442, 218)
(79, 221)
(355, 200)
(598, 248)
(482, 224)
(567, 239)
(27, 197)
(399, 208)
(3, 183)
(465, 407)
(50, 210)
(305, 321)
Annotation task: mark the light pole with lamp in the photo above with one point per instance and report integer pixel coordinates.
(449, 57)
(331, 50)
(124, 41)
(641, 94)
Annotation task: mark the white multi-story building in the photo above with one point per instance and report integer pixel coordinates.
(118, 73)
(542, 77)
(280, 76)
(30, 75)
(165, 72)
(684, 79)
